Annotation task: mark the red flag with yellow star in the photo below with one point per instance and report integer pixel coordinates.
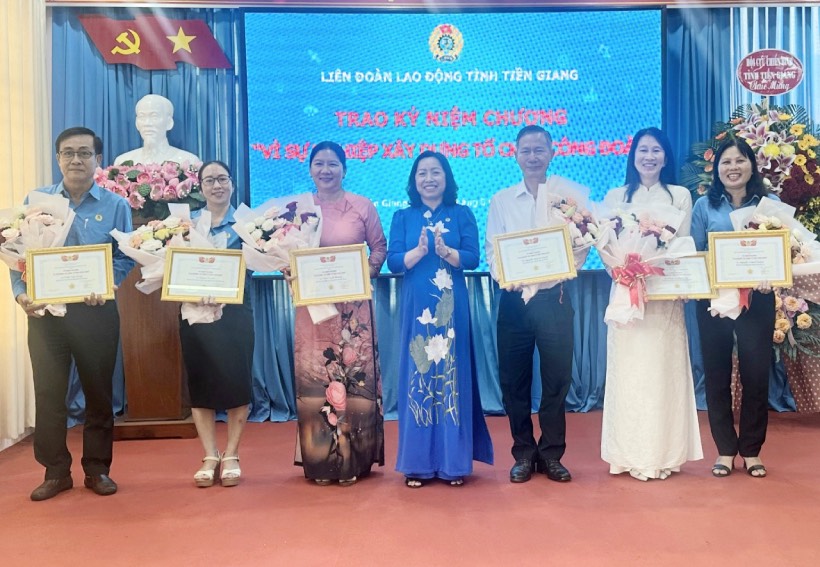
(151, 42)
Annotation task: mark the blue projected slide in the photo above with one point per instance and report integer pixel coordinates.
(387, 86)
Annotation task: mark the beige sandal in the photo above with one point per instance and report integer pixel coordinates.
(205, 477)
(230, 477)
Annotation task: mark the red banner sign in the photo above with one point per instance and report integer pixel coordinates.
(770, 72)
(150, 42)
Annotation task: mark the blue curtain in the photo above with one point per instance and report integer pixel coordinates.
(209, 121)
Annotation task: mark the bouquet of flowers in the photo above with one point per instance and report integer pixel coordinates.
(44, 222)
(270, 231)
(635, 241)
(786, 144)
(796, 321)
(148, 245)
(776, 215)
(150, 187)
(569, 205)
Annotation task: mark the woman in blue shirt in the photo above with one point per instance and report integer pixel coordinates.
(218, 356)
(736, 183)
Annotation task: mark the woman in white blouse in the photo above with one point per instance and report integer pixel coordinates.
(650, 423)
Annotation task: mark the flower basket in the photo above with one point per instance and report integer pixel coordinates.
(787, 147)
(150, 188)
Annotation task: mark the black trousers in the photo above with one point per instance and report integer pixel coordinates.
(754, 329)
(545, 322)
(90, 336)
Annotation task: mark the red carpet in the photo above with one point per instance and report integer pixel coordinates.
(276, 517)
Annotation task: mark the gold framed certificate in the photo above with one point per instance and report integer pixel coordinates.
(69, 274)
(746, 258)
(685, 277)
(335, 274)
(534, 256)
(193, 273)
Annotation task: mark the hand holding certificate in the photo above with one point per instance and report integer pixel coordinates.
(334, 274)
(534, 256)
(70, 274)
(192, 274)
(745, 259)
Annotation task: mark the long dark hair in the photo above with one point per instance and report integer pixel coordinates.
(333, 147)
(633, 178)
(754, 187)
(450, 190)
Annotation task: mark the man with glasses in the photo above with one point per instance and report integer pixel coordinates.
(155, 117)
(544, 321)
(88, 333)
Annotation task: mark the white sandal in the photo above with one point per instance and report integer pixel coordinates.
(205, 477)
(230, 477)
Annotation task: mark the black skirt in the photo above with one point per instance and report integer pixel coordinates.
(219, 357)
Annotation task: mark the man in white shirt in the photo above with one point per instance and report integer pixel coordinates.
(545, 321)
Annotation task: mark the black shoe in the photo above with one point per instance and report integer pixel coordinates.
(51, 488)
(521, 471)
(554, 470)
(101, 484)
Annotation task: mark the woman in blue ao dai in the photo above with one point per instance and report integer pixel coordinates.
(441, 424)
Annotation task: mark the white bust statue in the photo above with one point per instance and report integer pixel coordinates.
(155, 117)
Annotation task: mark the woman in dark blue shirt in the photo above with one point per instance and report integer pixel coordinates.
(736, 183)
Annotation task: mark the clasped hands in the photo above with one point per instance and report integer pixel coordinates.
(442, 250)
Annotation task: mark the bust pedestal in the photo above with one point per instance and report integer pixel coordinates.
(152, 362)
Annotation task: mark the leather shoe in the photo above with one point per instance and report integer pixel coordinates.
(521, 471)
(51, 488)
(101, 484)
(554, 470)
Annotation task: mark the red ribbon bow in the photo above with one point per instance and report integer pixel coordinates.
(632, 275)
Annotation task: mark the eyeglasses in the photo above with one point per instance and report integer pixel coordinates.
(209, 182)
(68, 155)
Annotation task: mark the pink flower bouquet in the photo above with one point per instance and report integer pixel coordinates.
(44, 222)
(568, 204)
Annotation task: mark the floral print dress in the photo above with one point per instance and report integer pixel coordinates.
(338, 381)
(441, 423)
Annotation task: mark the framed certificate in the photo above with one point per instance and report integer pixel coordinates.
(534, 256)
(746, 258)
(335, 274)
(682, 277)
(194, 273)
(69, 274)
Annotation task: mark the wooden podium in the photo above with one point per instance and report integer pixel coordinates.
(152, 363)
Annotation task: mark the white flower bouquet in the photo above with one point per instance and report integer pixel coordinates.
(634, 242)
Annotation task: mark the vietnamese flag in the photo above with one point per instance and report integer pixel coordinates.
(151, 42)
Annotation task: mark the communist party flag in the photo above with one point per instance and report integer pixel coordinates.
(151, 42)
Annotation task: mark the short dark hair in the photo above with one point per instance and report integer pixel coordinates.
(450, 189)
(533, 129)
(79, 131)
(212, 162)
(754, 187)
(633, 178)
(332, 146)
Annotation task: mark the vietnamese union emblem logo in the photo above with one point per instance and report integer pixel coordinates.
(446, 43)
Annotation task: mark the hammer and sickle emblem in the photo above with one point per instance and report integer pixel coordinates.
(131, 47)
